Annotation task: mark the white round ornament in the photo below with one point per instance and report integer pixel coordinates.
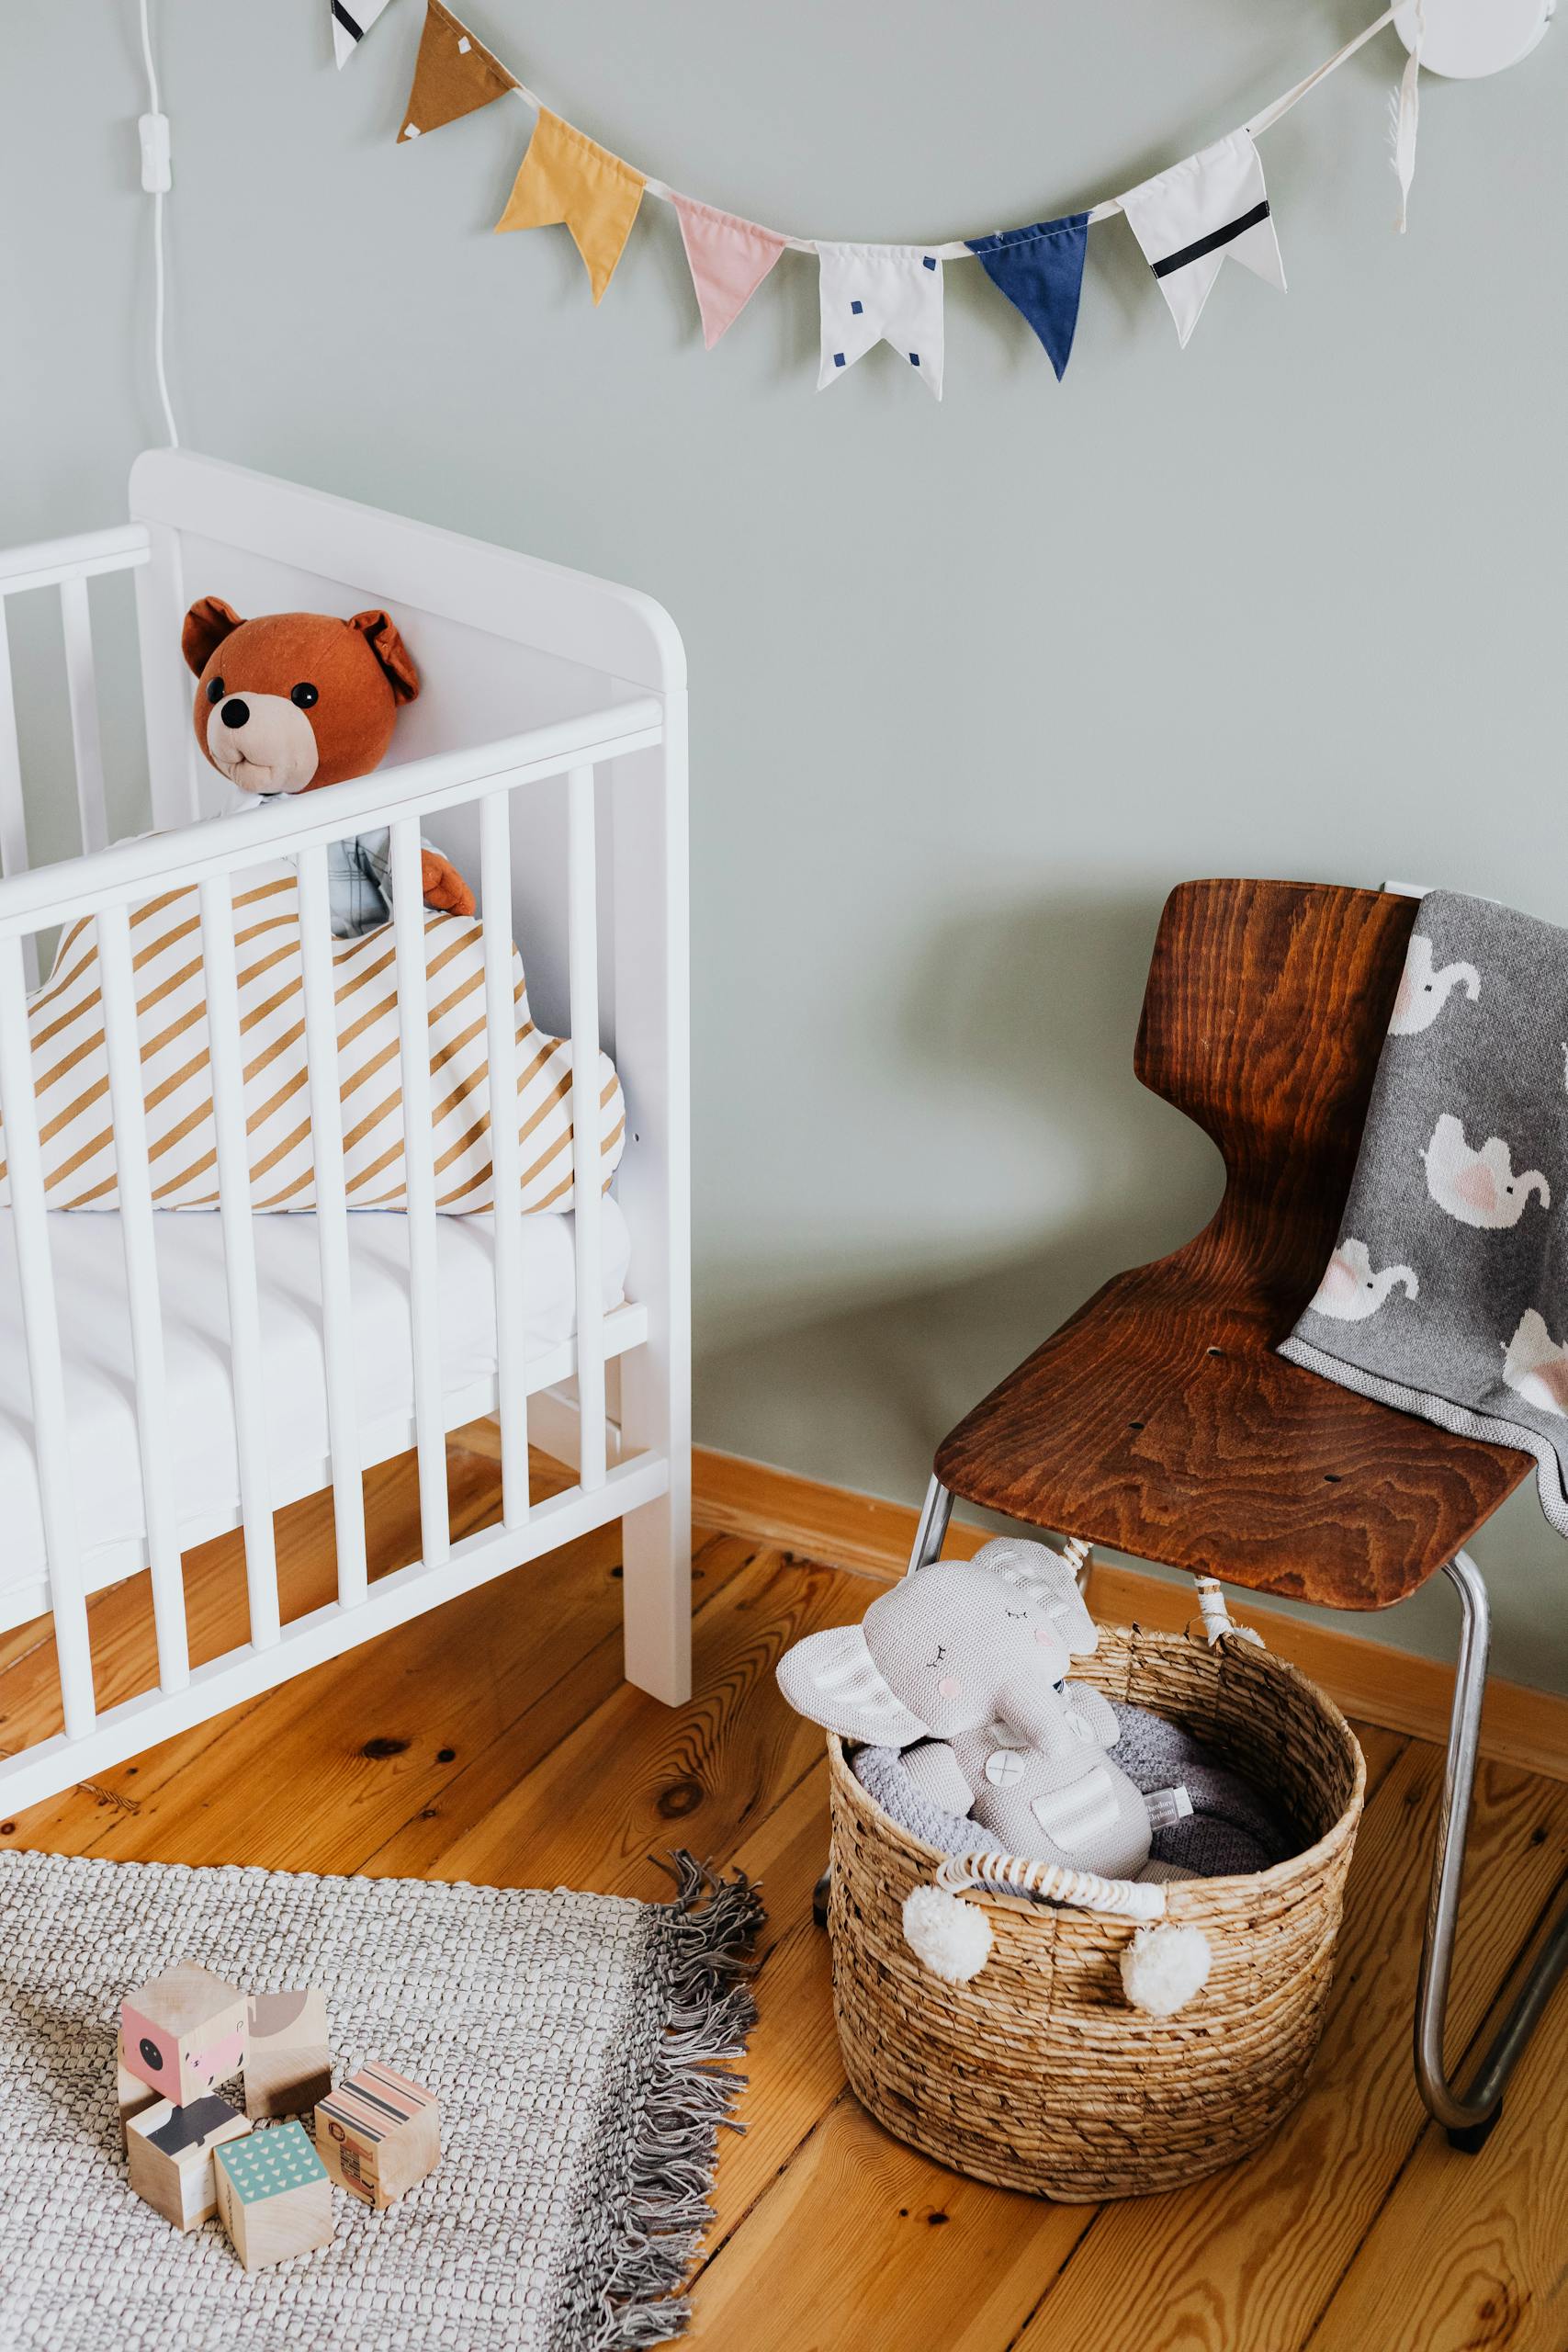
(1465, 39)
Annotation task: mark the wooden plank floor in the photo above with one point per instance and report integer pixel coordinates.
(495, 1740)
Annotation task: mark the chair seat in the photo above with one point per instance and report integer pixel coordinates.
(1160, 1420)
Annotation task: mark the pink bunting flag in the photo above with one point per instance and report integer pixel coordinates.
(729, 258)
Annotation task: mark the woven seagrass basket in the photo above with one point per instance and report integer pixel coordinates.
(1037, 2075)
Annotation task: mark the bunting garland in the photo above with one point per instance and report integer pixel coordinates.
(1188, 219)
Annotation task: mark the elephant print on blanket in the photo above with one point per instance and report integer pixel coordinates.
(1535, 1367)
(1423, 990)
(1478, 1187)
(1350, 1290)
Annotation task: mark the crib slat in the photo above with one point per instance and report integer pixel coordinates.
(240, 1256)
(81, 690)
(13, 817)
(582, 960)
(413, 1035)
(506, 1156)
(18, 1106)
(137, 1228)
(332, 1222)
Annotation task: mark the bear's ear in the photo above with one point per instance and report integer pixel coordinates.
(381, 635)
(207, 623)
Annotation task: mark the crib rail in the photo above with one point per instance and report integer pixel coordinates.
(106, 883)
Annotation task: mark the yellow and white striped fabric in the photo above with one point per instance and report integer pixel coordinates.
(71, 1065)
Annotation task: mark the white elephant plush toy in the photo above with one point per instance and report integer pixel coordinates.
(974, 1657)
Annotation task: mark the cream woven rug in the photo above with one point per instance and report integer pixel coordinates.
(567, 2035)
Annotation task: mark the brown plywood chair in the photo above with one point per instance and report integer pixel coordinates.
(1160, 1419)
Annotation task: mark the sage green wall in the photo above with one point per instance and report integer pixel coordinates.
(972, 685)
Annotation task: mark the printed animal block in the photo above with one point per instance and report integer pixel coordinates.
(184, 2032)
(130, 2092)
(288, 2064)
(274, 2197)
(379, 2134)
(170, 2149)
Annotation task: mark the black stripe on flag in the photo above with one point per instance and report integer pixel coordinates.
(355, 32)
(1211, 244)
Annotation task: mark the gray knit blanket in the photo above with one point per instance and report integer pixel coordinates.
(1446, 1293)
(1233, 1829)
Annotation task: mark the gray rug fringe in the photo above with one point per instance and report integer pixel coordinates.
(713, 1925)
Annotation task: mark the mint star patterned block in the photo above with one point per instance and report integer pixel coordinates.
(274, 2197)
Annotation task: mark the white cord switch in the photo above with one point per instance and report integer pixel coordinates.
(156, 177)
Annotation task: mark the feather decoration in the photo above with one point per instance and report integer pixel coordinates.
(1404, 118)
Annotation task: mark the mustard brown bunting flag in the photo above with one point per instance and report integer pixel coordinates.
(729, 258)
(881, 294)
(350, 25)
(454, 74)
(1191, 218)
(566, 177)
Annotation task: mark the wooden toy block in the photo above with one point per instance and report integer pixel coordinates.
(184, 2032)
(274, 2197)
(131, 2094)
(378, 2133)
(288, 2064)
(170, 2149)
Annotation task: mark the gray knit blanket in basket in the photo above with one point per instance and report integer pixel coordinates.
(1446, 1293)
(1232, 1829)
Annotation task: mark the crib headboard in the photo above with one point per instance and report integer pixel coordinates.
(503, 642)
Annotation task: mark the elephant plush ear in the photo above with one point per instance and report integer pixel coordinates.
(832, 1680)
(1045, 1578)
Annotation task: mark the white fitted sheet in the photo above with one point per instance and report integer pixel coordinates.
(88, 1263)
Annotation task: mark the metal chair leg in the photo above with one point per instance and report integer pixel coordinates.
(931, 1533)
(1468, 2115)
(935, 1512)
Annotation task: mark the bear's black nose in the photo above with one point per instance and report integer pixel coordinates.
(234, 712)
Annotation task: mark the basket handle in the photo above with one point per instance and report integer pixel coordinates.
(1217, 1619)
(1052, 1883)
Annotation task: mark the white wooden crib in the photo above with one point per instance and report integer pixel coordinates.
(547, 756)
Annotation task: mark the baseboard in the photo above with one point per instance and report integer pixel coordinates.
(1369, 1680)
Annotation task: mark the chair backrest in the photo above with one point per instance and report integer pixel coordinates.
(1263, 1018)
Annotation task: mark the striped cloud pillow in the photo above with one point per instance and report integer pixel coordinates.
(71, 1065)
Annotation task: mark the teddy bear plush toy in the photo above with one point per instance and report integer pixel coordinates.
(292, 701)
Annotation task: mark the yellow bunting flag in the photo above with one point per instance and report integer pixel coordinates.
(453, 75)
(565, 178)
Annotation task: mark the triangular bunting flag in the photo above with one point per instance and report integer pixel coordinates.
(454, 74)
(565, 178)
(876, 294)
(1041, 272)
(1189, 217)
(350, 25)
(729, 258)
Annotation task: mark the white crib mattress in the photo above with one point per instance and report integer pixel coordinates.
(94, 1332)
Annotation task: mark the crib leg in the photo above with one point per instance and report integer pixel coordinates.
(656, 1555)
(1468, 2115)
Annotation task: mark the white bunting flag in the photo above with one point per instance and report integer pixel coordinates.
(881, 294)
(352, 19)
(1189, 218)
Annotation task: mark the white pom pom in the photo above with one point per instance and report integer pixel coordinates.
(950, 1938)
(1164, 1967)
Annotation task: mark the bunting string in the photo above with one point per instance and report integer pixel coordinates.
(1189, 220)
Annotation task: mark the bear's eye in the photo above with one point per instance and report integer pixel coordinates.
(305, 694)
(214, 690)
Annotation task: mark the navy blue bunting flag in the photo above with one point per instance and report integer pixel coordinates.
(1041, 272)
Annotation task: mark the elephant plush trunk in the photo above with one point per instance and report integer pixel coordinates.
(1037, 1711)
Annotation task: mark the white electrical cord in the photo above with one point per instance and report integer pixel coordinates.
(155, 178)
